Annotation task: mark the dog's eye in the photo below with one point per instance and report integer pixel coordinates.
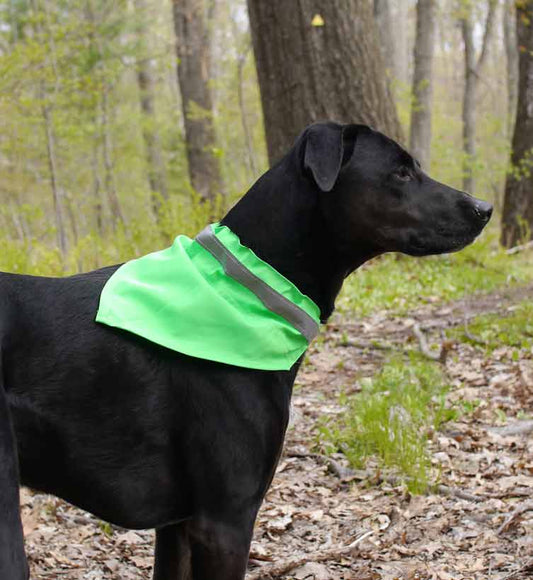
(403, 174)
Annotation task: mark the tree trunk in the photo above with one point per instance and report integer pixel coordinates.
(97, 139)
(248, 141)
(110, 185)
(420, 141)
(318, 60)
(52, 166)
(401, 34)
(469, 104)
(192, 45)
(97, 186)
(392, 24)
(517, 218)
(383, 16)
(145, 78)
(511, 52)
(61, 234)
(473, 71)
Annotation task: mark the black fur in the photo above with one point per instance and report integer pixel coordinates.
(144, 437)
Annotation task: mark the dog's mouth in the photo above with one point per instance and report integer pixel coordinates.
(443, 243)
(435, 238)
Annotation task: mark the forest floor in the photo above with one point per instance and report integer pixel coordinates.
(477, 523)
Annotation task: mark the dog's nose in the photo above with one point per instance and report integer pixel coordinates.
(484, 210)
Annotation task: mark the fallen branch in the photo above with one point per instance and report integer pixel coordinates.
(514, 429)
(514, 516)
(458, 493)
(440, 356)
(334, 466)
(273, 571)
(440, 489)
(366, 345)
(527, 568)
(519, 248)
(471, 337)
(516, 492)
(346, 474)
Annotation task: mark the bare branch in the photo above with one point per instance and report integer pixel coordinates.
(276, 570)
(487, 36)
(511, 520)
(440, 356)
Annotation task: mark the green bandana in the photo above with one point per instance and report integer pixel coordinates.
(214, 299)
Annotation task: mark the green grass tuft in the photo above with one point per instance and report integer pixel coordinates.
(491, 331)
(391, 419)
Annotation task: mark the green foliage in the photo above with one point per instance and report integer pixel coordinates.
(399, 283)
(492, 331)
(390, 420)
(77, 61)
(141, 236)
(106, 528)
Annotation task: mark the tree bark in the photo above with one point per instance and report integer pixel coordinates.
(56, 192)
(145, 79)
(109, 179)
(97, 185)
(420, 140)
(61, 234)
(511, 53)
(192, 45)
(102, 120)
(383, 17)
(401, 34)
(517, 218)
(248, 141)
(318, 60)
(392, 23)
(473, 70)
(469, 104)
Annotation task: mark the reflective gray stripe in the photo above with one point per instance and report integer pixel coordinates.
(272, 299)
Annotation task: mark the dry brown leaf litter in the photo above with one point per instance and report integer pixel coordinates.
(479, 525)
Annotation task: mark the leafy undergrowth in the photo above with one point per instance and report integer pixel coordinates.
(399, 283)
(491, 331)
(177, 215)
(391, 419)
(390, 422)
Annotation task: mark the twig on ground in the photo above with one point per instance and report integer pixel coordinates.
(514, 429)
(519, 510)
(441, 490)
(527, 568)
(519, 248)
(515, 492)
(273, 571)
(334, 466)
(458, 493)
(470, 336)
(366, 345)
(346, 474)
(440, 356)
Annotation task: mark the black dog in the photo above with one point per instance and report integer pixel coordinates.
(145, 437)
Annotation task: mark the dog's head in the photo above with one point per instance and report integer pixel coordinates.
(375, 193)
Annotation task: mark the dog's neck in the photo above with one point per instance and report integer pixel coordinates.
(280, 220)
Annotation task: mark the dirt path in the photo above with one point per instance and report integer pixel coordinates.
(463, 531)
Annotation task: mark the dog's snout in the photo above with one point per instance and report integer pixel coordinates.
(484, 210)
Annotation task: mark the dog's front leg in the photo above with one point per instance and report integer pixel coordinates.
(172, 553)
(201, 549)
(219, 549)
(13, 564)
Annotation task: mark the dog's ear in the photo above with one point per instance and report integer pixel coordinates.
(323, 153)
(328, 146)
